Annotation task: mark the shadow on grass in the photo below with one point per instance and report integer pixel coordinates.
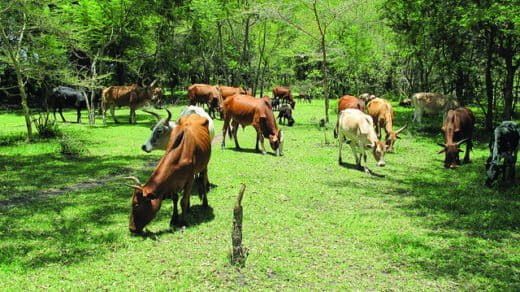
(247, 150)
(476, 226)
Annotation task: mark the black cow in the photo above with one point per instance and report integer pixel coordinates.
(285, 114)
(63, 96)
(503, 145)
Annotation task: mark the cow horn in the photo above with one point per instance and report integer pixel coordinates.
(153, 114)
(169, 116)
(401, 129)
(153, 83)
(442, 145)
(135, 179)
(441, 151)
(462, 141)
(135, 187)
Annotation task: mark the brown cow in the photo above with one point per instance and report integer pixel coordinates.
(382, 113)
(285, 95)
(132, 96)
(206, 94)
(246, 110)
(226, 91)
(187, 154)
(458, 126)
(345, 102)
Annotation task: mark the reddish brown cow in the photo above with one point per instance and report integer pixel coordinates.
(285, 95)
(345, 102)
(458, 126)
(132, 96)
(187, 154)
(382, 113)
(206, 94)
(226, 91)
(246, 110)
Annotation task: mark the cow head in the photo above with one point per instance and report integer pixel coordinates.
(392, 137)
(378, 151)
(144, 207)
(276, 142)
(160, 133)
(292, 103)
(492, 171)
(452, 150)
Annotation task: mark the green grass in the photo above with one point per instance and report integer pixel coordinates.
(308, 222)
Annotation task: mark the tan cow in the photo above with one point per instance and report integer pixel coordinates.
(357, 128)
(382, 113)
(431, 103)
(226, 91)
(132, 96)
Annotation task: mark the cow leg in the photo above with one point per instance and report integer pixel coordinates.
(185, 202)
(61, 114)
(204, 187)
(112, 112)
(260, 138)
(234, 125)
(54, 112)
(79, 114)
(175, 216)
(225, 128)
(365, 167)
(340, 141)
(469, 146)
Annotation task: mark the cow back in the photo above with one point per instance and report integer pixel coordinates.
(458, 125)
(379, 108)
(350, 102)
(247, 110)
(433, 102)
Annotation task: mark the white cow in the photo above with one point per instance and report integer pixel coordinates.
(431, 103)
(358, 129)
(161, 131)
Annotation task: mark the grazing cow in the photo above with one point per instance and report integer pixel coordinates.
(504, 144)
(275, 104)
(285, 114)
(345, 102)
(246, 110)
(226, 91)
(132, 96)
(431, 103)
(187, 154)
(382, 113)
(206, 94)
(161, 131)
(367, 97)
(305, 97)
(458, 126)
(357, 128)
(407, 102)
(285, 95)
(63, 95)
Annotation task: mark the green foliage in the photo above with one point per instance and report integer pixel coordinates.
(72, 148)
(46, 127)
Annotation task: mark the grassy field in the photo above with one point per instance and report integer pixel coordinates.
(308, 222)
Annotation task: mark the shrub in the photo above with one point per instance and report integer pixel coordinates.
(72, 148)
(46, 127)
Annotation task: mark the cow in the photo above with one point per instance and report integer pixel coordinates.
(158, 93)
(63, 95)
(246, 110)
(407, 102)
(431, 103)
(504, 145)
(206, 94)
(161, 131)
(226, 91)
(367, 97)
(358, 128)
(285, 95)
(132, 96)
(305, 97)
(345, 102)
(285, 114)
(382, 114)
(187, 154)
(458, 126)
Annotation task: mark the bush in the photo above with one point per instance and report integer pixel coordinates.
(46, 127)
(72, 148)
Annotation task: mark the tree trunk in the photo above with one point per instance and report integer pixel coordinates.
(26, 110)
(323, 34)
(239, 253)
(508, 87)
(260, 59)
(489, 81)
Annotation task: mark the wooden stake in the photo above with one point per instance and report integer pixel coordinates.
(239, 253)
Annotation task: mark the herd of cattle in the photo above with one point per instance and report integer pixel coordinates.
(360, 123)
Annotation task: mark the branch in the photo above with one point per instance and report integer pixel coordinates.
(20, 39)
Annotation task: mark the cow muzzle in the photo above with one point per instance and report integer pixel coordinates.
(146, 148)
(381, 163)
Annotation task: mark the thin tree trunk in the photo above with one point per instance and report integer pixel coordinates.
(489, 81)
(323, 33)
(260, 58)
(508, 87)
